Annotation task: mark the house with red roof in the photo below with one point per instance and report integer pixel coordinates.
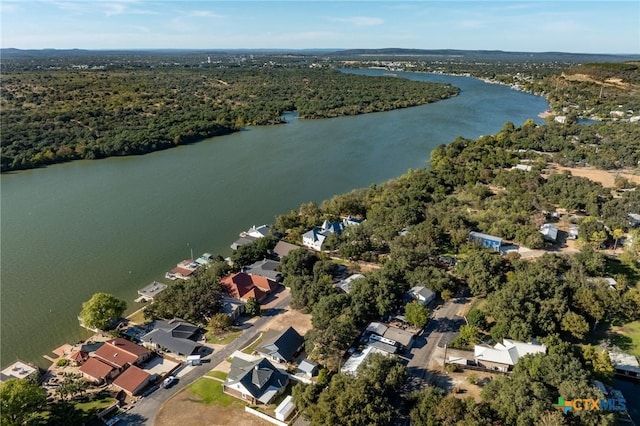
(244, 286)
(120, 353)
(132, 380)
(97, 371)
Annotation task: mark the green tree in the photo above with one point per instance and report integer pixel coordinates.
(467, 337)
(20, 401)
(252, 307)
(102, 310)
(220, 322)
(416, 314)
(575, 324)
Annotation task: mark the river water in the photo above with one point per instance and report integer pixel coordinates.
(114, 225)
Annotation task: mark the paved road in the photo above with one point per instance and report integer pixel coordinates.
(145, 410)
(441, 329)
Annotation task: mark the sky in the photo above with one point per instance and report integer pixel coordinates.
(525, 26)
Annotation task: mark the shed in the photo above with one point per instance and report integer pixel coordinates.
(285, 409)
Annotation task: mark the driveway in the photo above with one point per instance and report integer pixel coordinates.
(442, 328)
(144, 411)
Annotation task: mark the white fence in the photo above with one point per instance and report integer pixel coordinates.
(264, 416)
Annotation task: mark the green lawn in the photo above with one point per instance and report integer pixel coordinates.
(217, 374)
(210, 392)
(95, 402)
(627, 337)
(223, 339)
(137, 317)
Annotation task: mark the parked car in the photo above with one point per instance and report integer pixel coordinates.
(168, 382)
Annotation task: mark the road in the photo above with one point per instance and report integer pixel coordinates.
(442, 328)
(145, 410)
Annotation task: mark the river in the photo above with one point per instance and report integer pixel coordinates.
(114, 225)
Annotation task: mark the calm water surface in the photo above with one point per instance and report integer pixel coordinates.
(114, 225)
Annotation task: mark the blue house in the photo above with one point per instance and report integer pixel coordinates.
(487, 241)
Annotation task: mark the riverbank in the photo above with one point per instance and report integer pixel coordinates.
(114, 225)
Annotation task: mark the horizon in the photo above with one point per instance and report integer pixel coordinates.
(541, 26)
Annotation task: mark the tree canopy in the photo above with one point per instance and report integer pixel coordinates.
(102, 310)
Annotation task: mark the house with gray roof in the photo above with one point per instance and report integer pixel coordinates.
(421, 294)
(283, 248)
(503, 356)
(242, 241)
(485, 240)
(281, 346)
(265, 268)
(254, 381)
(315, 237)
(176, 336)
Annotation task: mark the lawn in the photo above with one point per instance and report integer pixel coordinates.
(92, 403)
(138, 317)
(217, 374)
(252, 347)
(223, 339)
(210, 392)
(627, 337)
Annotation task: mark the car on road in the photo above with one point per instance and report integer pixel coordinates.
(168, 382)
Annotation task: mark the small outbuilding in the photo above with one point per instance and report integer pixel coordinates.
(285, 409)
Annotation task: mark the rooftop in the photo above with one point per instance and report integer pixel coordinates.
(17, 370)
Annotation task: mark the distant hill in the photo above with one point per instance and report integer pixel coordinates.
(488, 55)
(390, 53)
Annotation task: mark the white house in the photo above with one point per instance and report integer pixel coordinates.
(258, 231)
(503, 356)
(315, 237)
(421, 294)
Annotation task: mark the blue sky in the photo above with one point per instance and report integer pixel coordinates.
(535, 26)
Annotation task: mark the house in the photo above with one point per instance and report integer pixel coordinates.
(345, 285)
(265, 268)
(244, 286)
(120, 353)
(19, 370)
(485, 240)
(315, 237)
(283, 248)
(307, 368)
(421, 294)
(152, 290)
(503, 356)
(403, 337)
(176, 336)
(257, 231)
(634, 219)
(549, 232)
(384, 344)
(353, 363)
(281, 346)
(376, 328)
(351, 221)
(232, 307)
(626, 365)
(242, 241)
(285, 409)
(132, 380)
(97, 371)
(254, 381)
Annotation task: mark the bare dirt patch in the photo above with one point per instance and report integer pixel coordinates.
(290, 318)
(184, 410)
(605, 177)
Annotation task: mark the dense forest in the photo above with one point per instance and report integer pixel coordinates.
(59, 115)
(417, 220)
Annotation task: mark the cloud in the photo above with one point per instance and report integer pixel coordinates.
(360, 21)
